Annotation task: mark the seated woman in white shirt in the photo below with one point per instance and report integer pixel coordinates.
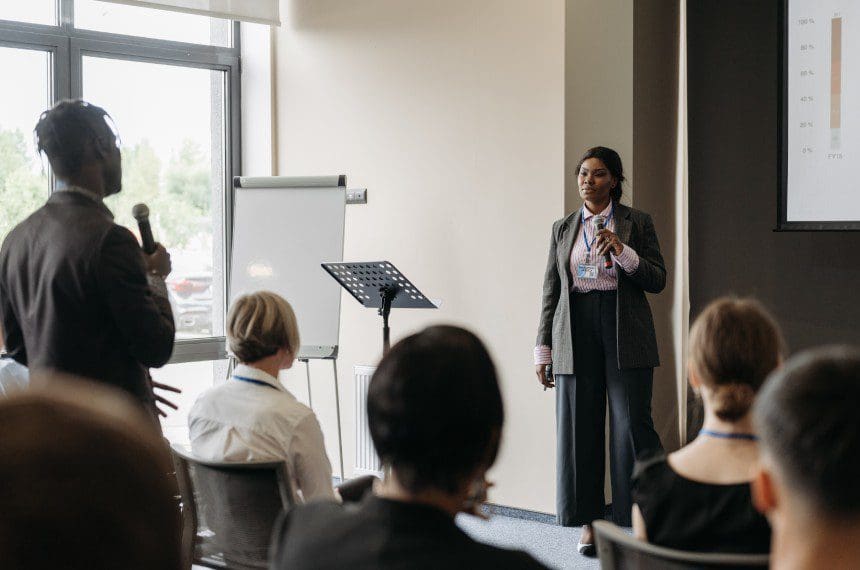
(252, 417)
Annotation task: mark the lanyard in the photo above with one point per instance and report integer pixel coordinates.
(253, 381)
(729, 435)
(582, 222)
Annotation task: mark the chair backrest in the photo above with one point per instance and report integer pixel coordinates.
(230, 508)
(617, 550)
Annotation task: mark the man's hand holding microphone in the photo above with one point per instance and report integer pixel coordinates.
(157, 261)
(156, 257)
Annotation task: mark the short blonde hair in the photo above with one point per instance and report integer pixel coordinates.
(259, 324)
(734, 345)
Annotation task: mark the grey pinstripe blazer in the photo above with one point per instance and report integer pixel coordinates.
(637, 341)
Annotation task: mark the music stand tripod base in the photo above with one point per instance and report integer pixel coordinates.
(379, 285)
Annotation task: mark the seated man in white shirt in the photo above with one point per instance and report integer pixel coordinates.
(252, 417)
(13, 376)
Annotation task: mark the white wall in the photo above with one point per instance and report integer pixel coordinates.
(451, 113)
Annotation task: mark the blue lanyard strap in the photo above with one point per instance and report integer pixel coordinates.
(729, 435)
(253, 381)
(582, 222)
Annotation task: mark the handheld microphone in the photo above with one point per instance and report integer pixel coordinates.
(141, 214)
(599, 224)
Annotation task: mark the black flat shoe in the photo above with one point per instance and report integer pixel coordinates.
(587, 550)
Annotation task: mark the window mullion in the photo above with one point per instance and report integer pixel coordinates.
(61, 75)
(66, 14)
(76, 64)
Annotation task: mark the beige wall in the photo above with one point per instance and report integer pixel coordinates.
(465, 119)
(451, 113)
(257, 110)
(598, 86)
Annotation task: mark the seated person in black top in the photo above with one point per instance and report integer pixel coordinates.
(435, 415)
(806, 482)
(698, 498)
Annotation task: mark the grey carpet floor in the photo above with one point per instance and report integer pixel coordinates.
(553, 545)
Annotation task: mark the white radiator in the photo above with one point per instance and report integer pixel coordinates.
(366, 459)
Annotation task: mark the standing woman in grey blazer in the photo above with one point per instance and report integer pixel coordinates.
(597, 331)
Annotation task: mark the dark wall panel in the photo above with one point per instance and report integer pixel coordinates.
(811, 281)
(655, 129)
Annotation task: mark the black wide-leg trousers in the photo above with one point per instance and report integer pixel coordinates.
(581, 416)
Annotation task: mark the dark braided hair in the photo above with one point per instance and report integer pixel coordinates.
(613, 164)
(64, 131)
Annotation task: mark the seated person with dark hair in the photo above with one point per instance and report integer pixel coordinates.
(698, 498)
(435, 414)
(85, 481)
(806, 484)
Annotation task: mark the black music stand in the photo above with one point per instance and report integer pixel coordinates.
(379, 285)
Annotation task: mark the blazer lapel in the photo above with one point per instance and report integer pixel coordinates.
(569, 230)
(623, 224)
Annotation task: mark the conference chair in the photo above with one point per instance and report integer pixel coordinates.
(618, 550)
(229, 509)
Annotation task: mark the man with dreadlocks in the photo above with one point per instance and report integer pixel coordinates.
(77, 293)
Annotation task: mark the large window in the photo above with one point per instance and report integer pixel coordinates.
(173, 160)
(194, 378)
(24, 184)
(171, 83)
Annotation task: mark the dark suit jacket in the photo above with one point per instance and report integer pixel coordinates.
(74, 297)
(637, 341)
(384, 535)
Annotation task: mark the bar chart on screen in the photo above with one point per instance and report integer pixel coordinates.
(822, 124)
(835, 97)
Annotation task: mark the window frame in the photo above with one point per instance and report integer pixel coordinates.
(69, 45)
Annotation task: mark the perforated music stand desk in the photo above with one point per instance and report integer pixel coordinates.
(379, 285)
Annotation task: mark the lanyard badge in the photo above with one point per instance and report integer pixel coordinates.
(589, 268)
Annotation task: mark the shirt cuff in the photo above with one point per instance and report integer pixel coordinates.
(543, 354)
(157, 285)
(628, 260)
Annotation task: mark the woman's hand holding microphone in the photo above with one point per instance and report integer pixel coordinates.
(546, 381)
